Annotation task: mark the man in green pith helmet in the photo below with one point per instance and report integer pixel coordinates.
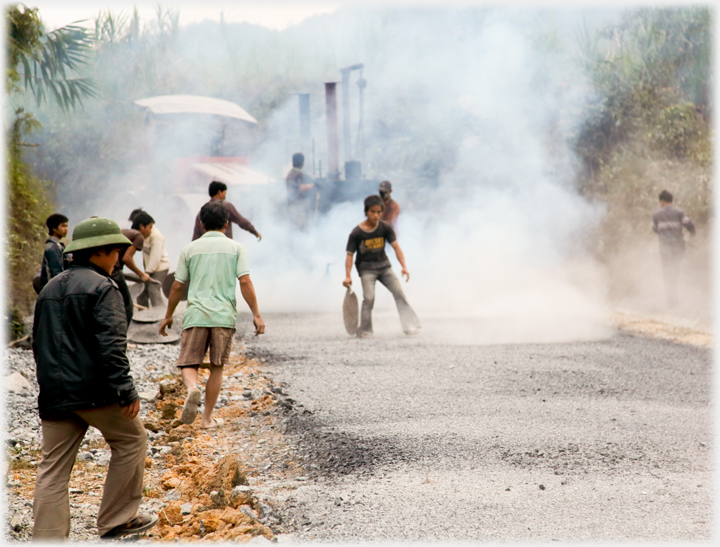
(80, 348)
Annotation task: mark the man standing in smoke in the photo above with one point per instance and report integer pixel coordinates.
(155, 259)
(298, 188)
(127, 259)
(54, 262)
(668, 224)
(218, 192)
(368, 240)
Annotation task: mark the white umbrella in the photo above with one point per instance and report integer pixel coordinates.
(194, 104)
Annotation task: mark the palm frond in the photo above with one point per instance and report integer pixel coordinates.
(49, 69)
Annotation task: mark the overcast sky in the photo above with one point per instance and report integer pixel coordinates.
(275, 14)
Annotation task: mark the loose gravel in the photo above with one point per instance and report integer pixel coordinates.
(418, 439)
(440, 438)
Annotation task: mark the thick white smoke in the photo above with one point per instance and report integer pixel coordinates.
(498, 238)
(499, 242)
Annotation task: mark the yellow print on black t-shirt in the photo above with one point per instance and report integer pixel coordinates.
(374, 244)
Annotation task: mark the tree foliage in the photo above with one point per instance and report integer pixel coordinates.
(45, 66)
(652, 75)
(29, 205)
(46, 63)
(649, 127)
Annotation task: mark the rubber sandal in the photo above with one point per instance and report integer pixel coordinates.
(218, 423)
(137, 525)
(190, 409)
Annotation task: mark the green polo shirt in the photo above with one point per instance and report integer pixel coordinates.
(212, 264)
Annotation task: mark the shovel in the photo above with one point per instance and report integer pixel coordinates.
(350, 312)
(168, 283)
(136, 279)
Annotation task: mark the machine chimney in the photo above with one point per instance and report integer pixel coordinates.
(332, 126)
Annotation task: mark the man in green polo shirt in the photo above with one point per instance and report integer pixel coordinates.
(211, 264)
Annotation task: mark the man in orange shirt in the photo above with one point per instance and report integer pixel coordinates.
(391, 209)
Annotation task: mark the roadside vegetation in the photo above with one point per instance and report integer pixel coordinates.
(42, 66)
(650, 127)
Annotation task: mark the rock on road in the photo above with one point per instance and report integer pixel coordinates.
(415, 438)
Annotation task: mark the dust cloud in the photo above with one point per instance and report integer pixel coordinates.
(470, 113)
(501, 236)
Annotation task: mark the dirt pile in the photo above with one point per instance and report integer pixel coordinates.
(205, 485)
(211, 506)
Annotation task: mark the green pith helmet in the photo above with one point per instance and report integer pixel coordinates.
(96, 232)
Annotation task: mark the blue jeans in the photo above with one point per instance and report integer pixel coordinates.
(387, 277)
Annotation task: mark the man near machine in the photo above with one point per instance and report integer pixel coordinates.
(298, 188)
(211, 265)
(80, 345)
(218, 192)
(668, 224)
(368, 240)
(391, 209)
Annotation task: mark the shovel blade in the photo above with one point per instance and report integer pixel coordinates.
(350, 312)
(168, 283)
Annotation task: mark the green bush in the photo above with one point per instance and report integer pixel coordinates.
(678, 133)
(29, 206)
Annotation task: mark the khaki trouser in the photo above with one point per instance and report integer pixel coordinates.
(122, 493)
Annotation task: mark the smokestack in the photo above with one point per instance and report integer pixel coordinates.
(347, 138)
(332, 126)
(304, 101)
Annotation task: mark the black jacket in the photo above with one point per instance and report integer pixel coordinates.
(80, 343)
(54, 261)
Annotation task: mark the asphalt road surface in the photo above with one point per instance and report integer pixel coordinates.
(420, 439)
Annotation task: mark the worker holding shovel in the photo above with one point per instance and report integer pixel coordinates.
(368, 240)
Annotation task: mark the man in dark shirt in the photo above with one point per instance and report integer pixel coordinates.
(368, 240)
(297, 188)
(53, 259)
(218, 191)
(668, 224)
(391, 209)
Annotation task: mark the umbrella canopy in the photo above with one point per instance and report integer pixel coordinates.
(194, 104)
(230, 173)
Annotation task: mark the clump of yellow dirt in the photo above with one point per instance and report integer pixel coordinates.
(215, 514)
(652, 328)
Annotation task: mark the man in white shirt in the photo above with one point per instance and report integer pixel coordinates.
(155, 259)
